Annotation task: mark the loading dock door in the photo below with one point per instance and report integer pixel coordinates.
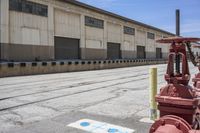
(66, 48)
(113, 51)
(141, 52)
(158, 53)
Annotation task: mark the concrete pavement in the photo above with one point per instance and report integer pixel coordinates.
(47, 103)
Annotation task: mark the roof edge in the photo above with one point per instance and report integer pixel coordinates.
(78, 3)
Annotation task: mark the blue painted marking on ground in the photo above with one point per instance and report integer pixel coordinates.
(95, 126)
(98, 126)
(84, 124)
(113, 130)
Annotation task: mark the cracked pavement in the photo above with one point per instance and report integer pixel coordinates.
(47, 103)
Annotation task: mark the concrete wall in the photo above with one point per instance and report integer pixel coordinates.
(67, 24)
(95, 48)
(4, 26)
(30, 68)
(26, 37)
(114, 33)
(29, 33)
(128, 48)
(150, 46)
(141, 37)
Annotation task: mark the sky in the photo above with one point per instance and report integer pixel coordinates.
(157, 13)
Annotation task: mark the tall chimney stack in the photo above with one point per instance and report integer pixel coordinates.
(177, 22)
(177, 34)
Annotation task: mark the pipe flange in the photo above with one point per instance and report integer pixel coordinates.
(170, 123)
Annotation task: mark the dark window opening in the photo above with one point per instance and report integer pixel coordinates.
(129, 30)
(93, 22)
(28, 7)
(150, 35)
(15, 5)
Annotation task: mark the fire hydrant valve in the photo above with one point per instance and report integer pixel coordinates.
(178, 102)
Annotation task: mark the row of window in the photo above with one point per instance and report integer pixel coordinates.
(97, 23)
(129, 30)
(28, 7)
(42, 10)
(150, 35)
(93, 22)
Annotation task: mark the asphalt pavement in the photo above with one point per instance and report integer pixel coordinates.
(49, 103)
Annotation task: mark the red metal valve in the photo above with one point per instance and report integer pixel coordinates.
(170, 124)
(178, 102)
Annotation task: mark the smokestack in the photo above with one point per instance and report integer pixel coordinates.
(178, 34)
(177, 22)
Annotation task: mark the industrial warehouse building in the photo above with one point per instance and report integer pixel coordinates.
(34, 30)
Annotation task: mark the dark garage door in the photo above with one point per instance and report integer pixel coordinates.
(113, 51)
(158, 53)
(66, 48)
(141, 52)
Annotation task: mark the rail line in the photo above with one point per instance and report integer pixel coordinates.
(89, 90)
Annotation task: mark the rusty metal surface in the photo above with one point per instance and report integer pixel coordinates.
(170, 124)
(176, 76)
(178, 103)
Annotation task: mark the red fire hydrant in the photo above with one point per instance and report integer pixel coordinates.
(178, 103)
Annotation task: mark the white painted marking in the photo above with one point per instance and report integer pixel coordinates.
(146, 120)
(99, 127)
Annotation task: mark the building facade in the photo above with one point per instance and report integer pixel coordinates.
(68, 29)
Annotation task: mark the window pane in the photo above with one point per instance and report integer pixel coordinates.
(93, 22)
(15, 5)
(129, 30)
(150, 35)
(28, 7)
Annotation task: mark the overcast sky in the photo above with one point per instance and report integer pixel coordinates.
(158, 13)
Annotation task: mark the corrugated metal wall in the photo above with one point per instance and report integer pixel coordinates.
(113, 51)
(141, 54)
(66, 48)
(158, 53)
